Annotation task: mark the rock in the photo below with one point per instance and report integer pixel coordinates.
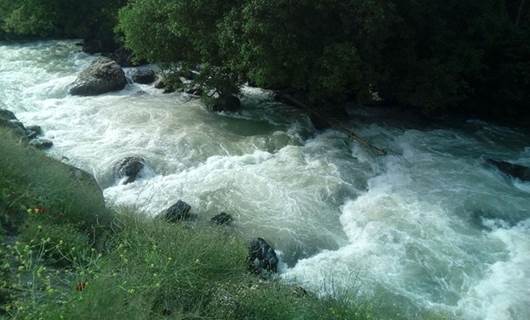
(34, 131)
(222, 219)
(102, 76)
(41, 144)
(123, 56)
(129, 168)
(160, 83)
(180, 211)
(262, 257)
(228, 103)
(7, 115)
(86, 178)
(514, 170)
(143, 75)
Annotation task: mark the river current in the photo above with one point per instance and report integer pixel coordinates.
(429, 228)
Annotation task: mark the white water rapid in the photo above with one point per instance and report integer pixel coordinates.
(427, 229)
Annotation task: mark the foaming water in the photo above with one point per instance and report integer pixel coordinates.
(428, 228)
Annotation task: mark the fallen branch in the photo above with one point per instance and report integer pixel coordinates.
(354, 136)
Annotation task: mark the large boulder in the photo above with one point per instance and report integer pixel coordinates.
(228, 103)
(261, 257)
(129, 168)
(178, 212)
(513, 170)
(102, 76)
(143, 75)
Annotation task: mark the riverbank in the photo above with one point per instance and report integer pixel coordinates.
(66, 256)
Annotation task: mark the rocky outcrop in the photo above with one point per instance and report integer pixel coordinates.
(222, 219)
(102, 76)
(41, 144)
(180, 211)
(143, 75)
(261, 257)
(129, 168)
(513, 170)
(229, 103)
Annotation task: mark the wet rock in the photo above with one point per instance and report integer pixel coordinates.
(34, 131)
(102, 76)
(7, 115)
(228, 103)
(513, 170)
(143, 75)
(178, 212)
(222, 219)
(41, 144)
(160, 83)
(129, 168)
(262, 258)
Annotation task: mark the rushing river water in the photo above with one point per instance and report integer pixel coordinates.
(427, 228)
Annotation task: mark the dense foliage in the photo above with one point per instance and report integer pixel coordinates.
(58, 18)
(440, 57)
(437, 56)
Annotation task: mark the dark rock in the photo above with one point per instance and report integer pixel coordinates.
(102, 76)
(160, 83)
(228, 103)
(129, 168)
(180, 211)
(513, 170)
(41, 144)
(123, 56)
(34, 131)
(262, 257)
(143, 75)
(222, 219)
(7, 115)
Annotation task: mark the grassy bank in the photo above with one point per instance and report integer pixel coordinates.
(65, 256)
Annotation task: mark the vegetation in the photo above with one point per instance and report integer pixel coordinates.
(439, 57)
(64, 256)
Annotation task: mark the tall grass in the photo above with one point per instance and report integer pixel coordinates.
(66, 256)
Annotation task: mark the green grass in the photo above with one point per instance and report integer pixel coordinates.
(65, 256)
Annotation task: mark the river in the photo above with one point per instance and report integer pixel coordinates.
(427, 228)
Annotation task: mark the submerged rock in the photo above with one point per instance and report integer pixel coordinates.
(129, 168)
(222, 219)
(178, 212)
(513, 170)
(41, 144)
(143, 75)
(262, 257)
(102, 76)
(228, 103)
